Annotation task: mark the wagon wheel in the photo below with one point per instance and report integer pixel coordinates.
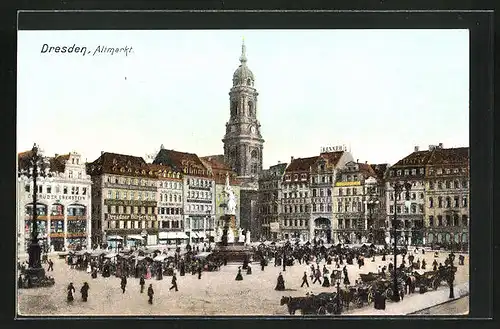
(358, 301)
(388, 293)
(331, 307)
(321, 310)
(370, 297)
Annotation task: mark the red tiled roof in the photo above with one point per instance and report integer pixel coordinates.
(459, 155)
(366, 169)
(119, 164)
(301, 164)
(181, 161)
(56, 164)
(332, 157)
(158, 170)
(419, 158)
(220, 169)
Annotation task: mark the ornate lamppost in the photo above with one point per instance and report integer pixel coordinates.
(34, 167)
(371, 203)
(398, 188)
(451, 275)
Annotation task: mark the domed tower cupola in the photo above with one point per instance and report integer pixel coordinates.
(243, 76)
(243, 141)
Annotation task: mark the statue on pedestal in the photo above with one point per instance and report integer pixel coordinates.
(241, 237)
(230, 197)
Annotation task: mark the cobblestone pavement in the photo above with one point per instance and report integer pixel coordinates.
(217, 293)
(457, 307)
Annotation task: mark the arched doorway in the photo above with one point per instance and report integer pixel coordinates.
(323, 229)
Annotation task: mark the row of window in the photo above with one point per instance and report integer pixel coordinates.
(170, 185)
(295, 222)
(448, 221)
(296, 195)
(448, 203)
(169, 211)
(413, 195)
(413, 209)
(294, 186)
(200, 195)
(131, 195)
(171, 224)
(74, 190)
(170, 198)
(131, 224)
(421, 171)
(79, 174)
(131, 210)
(196, 182)
(448, 184)
(131, 181)
(199, 207)
(200, 223)
(57, 210)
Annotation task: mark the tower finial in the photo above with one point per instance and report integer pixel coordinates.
(243, 57)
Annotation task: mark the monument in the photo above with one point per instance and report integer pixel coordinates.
(228, 248)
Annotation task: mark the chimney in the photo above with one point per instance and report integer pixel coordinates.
(291, 159)
(416, 148)
(102, 152)
(440, 145)
(357, 160)
(366, 162)
(279, 162)
(56, 155)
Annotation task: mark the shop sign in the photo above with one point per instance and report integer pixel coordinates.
(342, 184)
(62, 197)
(129, 217)
(336, 148)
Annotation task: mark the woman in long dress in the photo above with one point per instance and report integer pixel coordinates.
(239, 277)
(71, 290)
(280, 285)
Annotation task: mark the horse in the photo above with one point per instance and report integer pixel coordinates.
(304, 304)
(346, 296)
(410, 284)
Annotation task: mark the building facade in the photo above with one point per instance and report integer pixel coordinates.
(243, 143)
(359, 213)
(322, 181)
(198, 193)
(270, 196)
(169, 198)
(447, 197)
(124, 201)
(63, 205)
(218, 169)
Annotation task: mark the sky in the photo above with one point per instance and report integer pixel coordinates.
(379, 92)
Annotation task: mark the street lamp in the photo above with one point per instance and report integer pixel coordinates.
(398, 188)
(371, 204)
(209, 220)
(35, 167)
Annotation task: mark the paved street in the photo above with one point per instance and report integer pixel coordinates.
(217, 293)
(458, 307)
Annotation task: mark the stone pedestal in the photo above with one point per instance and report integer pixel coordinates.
(232, 252)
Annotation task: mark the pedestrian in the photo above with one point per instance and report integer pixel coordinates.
(317, 276)
(262, 264)
(304, 280)
(123, 283)
(423, 264)
(150, 294)
(51, 266)
(280, 285)
(199, 272)
(434, 265)
(71, 290)
(20, 281)
(239, 277)
(85, 291)
(249, 269)
(142, 282)
(346, 276)
(174, 283)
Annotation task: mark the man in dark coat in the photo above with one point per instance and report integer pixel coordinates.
(317, 276)
(85, 291)
(150, 294)
(199, 270)
(123, 283)
(71, 290)
(51, 266)
(20, 281)
(262, 264)
(174, 283)
(304, 280)
(142, 282)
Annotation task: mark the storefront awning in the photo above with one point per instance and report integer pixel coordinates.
(114, 238)
(134, 237)
(172, 235)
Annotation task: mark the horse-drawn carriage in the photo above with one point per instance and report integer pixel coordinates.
(431, 279)
(321, 304)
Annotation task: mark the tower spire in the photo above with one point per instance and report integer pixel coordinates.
(243, 57)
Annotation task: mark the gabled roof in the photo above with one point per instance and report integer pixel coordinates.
(332, 157)
(216, 162)
(301, 164)
(219, 170)
(119, 164)
(159, 170)
(416, 159)
(58, 163)
(459, 155)
(188, 163)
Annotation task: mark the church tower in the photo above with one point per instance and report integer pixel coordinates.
(243, 142)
